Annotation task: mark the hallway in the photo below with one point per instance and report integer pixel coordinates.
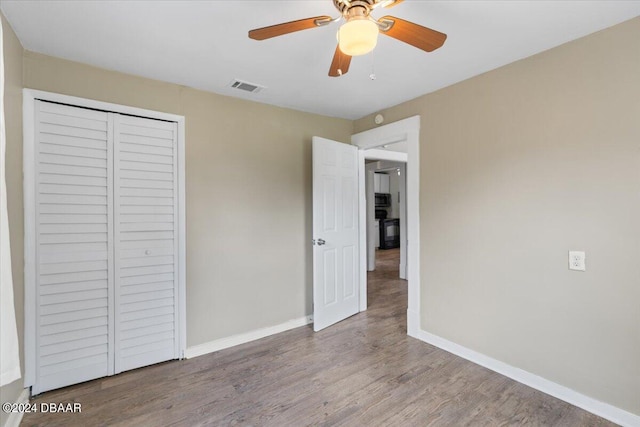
(364, 371)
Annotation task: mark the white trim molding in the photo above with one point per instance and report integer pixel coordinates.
(604, 410)
(392, 156)
(388, 134)
(14, 419)
(222, 343)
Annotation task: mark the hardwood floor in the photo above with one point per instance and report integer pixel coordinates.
(364, 371)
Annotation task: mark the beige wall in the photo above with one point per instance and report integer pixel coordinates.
(519, 166)
(13, 120)
(248, 192)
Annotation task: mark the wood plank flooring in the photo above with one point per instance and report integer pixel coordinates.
(364, 371)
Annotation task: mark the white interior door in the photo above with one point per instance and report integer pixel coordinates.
(73, 283)
(146, 241)
(335, 232)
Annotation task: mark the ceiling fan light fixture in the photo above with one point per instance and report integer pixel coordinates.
(358, 36)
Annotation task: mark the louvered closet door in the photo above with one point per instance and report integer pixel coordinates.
(74, 287)
(146, 241)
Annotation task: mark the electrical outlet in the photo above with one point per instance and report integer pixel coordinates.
(577, 261)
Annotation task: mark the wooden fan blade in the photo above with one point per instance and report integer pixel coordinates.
(340, 64)
(288, 27)
(416, 35)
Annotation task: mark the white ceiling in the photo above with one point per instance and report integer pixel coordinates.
(204, 44)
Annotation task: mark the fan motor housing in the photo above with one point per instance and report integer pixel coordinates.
(344, 5)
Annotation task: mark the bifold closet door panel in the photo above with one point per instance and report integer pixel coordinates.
(146, 241)
(74, 253)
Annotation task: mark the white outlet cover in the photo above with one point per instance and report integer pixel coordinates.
(577, 261)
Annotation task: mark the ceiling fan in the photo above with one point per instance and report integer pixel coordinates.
(359, 34)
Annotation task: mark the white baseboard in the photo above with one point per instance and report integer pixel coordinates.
(211, 346)
(604, 410)
(14, 419)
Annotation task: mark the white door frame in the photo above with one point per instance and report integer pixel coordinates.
(29, 96)
(404, 130)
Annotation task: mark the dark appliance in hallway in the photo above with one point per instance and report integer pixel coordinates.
(383, 200)
(389, 233)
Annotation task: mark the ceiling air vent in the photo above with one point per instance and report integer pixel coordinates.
(246, 86)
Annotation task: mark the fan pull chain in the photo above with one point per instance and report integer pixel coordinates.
(372, 76)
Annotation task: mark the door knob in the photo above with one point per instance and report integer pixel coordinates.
(321, 242)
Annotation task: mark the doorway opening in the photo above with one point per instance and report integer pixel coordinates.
(371, 145)
(386, 217)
